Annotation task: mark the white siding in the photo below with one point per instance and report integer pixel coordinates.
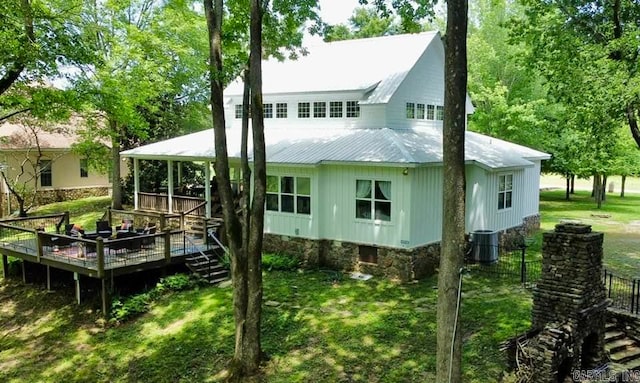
(290, 224)
(423, 84)
(531, 190)
(505, 218)
(338, 206)
(478, 202)
(374, 113)
(426, 205)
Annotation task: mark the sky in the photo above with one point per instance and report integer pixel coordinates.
(337, 11)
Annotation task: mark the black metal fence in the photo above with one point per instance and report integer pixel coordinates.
(511, 265)
(623, 292)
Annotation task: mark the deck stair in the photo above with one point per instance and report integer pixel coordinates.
(207, 265)
(623, 350)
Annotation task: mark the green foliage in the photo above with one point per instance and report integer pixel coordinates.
(282, 262)
(123, 309)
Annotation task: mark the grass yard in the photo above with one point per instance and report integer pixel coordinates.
(619, 219)
(313, 329)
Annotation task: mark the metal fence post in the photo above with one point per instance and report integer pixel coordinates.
(633, 295)
(523, 268)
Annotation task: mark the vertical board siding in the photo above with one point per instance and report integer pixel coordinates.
(288, 223)
(531, 190)
(477, 200)
(507, 218)
(338, 206)
(426, 205)
(424, 84)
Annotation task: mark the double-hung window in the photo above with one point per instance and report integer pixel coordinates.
(439, 112)
(46, 176)
(373, 200)
(239, 111)
(84, 168)
(431, 112)
(335, 109)
(420, 111)
(289, 194)
(505, 191)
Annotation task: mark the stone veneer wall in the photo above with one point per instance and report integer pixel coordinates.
(569, 304)
(514, 237)
(399, 264)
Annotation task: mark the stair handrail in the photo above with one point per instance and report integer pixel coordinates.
(198, 206)
(206, 256)
(212, 234)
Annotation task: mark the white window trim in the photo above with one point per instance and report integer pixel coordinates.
(500, 175)
(373, 200)
(294, 194)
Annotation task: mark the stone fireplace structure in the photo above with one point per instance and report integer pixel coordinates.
(569, 305)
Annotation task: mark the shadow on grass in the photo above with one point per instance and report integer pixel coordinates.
(313, 329)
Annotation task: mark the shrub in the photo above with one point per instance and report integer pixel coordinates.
(125, 308)
(282, 262)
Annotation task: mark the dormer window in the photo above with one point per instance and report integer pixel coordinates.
(353, 109)
(319, 109)
(281, 110)
(431, 112)
(304, 110)
(440, 113)
(411, 110)
(420, 111)
(268, 110)
(335, 109)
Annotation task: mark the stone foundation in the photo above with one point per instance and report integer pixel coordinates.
(398, 264)
(513, 238)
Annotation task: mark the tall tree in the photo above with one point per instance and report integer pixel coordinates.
(144, 55)
(38, 38)
(449, 351)
(280, 25)
(365, 22)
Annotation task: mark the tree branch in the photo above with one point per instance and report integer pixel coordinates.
(8, 116)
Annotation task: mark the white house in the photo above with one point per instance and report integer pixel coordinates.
(354, 150)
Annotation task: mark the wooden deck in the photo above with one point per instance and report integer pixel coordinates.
(36, 240)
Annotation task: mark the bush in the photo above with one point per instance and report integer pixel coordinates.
(280, 262)
(125, 308)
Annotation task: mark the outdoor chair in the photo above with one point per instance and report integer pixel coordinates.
(125, 241)
(150, 241)
(103, 229)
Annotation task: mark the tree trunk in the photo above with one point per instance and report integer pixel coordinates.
(244, 237)
(594, 186)
(603, 194)
(633, 123)
(568, 189)
(597, 189)
(624, 181)
(573, 184)
(116, 182)
(449, 350)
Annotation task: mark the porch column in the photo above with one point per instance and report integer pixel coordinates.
(179, 173)
(207, 188)
(170, 184)
(136, 182)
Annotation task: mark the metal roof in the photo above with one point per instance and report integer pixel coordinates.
(316, 146)
(350, 65)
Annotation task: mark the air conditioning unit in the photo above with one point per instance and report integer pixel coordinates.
(485, 246)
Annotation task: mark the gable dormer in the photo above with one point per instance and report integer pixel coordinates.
(392, 81)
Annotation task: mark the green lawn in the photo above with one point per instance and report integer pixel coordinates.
(374, 331)
(619, 219)
(313, 329)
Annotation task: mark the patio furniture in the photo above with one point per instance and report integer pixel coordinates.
(148, 240)
(125, 241)
(103, 228)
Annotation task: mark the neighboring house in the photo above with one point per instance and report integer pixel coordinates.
(41, 159)
(354, 152)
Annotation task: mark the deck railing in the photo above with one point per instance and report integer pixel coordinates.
(180, 204)
(51, 223)
(18, 239)
(623, 292)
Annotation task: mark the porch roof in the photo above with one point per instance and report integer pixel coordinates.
(316, 146)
